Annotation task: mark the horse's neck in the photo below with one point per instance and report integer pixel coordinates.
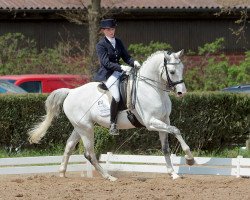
(150, 82)
(150, 69)
(151, 94)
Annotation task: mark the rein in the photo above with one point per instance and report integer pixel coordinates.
(145, 79)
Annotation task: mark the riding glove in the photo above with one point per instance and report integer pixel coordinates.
(126, 68)
(137, 64)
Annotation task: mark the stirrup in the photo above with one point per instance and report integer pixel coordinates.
(113, 130)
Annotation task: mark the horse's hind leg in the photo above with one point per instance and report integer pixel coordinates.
(87, 136)
(70, 146)
(166, 152)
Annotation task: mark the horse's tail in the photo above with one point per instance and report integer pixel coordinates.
(53, 107)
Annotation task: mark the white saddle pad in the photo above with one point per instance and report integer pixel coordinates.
(104, 108)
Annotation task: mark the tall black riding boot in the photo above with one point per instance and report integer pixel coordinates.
(113, 117)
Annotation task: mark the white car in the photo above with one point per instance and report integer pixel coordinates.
(238, 88)
(7, 87)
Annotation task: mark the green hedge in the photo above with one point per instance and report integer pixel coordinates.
(208, 121)
(17, 115)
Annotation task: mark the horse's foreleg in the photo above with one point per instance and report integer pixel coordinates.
(88, 141)
(189, 156)
(70, 146)
(166, 152)
(157, 125)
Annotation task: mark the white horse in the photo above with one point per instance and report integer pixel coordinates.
(152, 109)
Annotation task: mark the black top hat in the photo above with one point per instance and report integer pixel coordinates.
(108, 23)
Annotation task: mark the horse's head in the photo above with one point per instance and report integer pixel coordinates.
(173, 70)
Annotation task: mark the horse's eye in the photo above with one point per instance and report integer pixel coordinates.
(172, 72)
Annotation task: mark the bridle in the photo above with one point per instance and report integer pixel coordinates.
(171, 83)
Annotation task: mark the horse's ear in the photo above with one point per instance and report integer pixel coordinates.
(179, 54)
(167, 55)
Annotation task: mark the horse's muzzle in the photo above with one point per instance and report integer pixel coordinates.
(180, 94)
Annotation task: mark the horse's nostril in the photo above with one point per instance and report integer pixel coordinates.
(179, 93)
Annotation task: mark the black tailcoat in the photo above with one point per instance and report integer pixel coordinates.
(109, 58)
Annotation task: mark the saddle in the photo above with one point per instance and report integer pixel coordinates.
(127, 93)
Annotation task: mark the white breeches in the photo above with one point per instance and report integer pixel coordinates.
(113, 85)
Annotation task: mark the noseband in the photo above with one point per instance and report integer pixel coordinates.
(171, 83)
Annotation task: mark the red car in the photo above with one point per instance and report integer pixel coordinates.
(46, 83)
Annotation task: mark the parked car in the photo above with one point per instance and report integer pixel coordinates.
(45, 83)
(7, 87)
(238, 88)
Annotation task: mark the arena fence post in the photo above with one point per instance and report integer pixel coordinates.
(238, 166)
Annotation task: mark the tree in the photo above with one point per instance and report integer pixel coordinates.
(230, 7)
(93, 22)
(91, 18)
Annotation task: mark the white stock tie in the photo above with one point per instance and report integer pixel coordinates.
(113, 42)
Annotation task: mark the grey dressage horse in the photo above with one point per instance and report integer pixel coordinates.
(152, 109)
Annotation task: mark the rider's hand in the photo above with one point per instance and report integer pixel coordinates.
(126, 68)
(137, 64)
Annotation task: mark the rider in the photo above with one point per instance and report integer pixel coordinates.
(109, 50)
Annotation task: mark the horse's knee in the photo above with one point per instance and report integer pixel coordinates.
(175, 130)
(186, 149)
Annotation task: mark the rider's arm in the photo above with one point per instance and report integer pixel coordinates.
(125, 55)
(104, 59)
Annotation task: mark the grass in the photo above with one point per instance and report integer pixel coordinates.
(226, 153)
(58, 150)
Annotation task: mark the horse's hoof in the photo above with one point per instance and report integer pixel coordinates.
(62, 175)
(189, 161)
(111, 178)
(175, 176)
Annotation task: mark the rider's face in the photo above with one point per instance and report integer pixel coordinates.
(109, 32)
